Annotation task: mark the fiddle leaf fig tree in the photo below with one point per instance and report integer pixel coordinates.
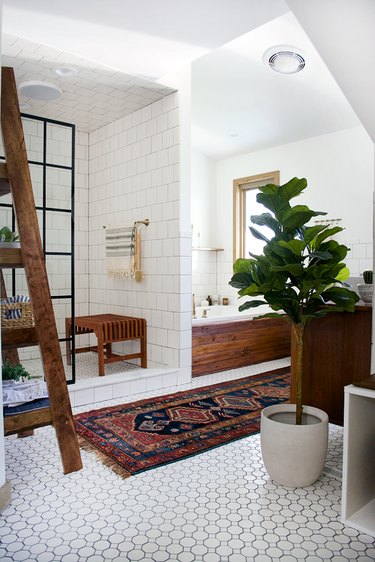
(301, 269)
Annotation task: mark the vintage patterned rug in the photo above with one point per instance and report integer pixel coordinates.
(141, 435)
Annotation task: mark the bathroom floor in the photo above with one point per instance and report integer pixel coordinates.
(86, 367)
(219, 506)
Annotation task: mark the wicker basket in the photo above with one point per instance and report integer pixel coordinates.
(26, 320)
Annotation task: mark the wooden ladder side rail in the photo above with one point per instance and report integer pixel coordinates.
(34, 264)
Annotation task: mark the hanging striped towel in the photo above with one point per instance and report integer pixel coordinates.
(120, 250)
(11, 314)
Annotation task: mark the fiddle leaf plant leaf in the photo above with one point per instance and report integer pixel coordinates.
(301, 270)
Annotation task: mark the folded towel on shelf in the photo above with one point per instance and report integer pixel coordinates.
(120, 250)
(20, 392)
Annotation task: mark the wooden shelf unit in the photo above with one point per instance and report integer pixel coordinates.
(21, 337)
(31, 257)
(4, 181)
(10, 258)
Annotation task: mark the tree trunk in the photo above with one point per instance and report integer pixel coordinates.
(299, 332)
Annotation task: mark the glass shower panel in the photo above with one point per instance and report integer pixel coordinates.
(59, 275)
(33, 132)
(59, 188)
(36, 173)
(58, 228)
(59, 145)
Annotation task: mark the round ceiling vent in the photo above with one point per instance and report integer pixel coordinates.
(38, 90)
(284, 59)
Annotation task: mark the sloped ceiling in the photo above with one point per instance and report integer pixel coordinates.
(240, 105)
(343, 33)
(122, 49)
(144, 37)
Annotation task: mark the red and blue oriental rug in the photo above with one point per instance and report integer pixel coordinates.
(141, 435)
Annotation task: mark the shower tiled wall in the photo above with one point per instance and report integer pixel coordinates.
(205, 274)
(360, 256)
(135, 174)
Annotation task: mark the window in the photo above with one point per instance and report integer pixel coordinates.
(244, 205)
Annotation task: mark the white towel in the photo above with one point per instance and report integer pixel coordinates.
(120, 250)
(20, 392)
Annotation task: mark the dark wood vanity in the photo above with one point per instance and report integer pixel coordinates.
(337, 352)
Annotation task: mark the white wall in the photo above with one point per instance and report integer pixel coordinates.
(339, 168)
(134, 174)
(203, 204)
(203, 212)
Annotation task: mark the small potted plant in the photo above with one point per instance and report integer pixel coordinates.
(15, 373)
(301, 274)
(8, 238)
(366, 289)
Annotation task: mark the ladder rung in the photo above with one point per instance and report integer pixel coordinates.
(19, 337)
(4, 181)
(10, 257)
(27, 420)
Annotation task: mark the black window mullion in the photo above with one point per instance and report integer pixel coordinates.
(45, 210)
(72, 242)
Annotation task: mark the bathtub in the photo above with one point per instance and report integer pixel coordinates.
(220, 313)
(229, 339)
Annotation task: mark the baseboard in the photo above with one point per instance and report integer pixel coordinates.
(5, 495)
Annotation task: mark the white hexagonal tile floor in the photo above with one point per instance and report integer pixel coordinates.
(218, 506)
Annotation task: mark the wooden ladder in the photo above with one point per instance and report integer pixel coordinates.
(15, 178)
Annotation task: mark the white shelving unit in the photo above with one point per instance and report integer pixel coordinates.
(358, 486)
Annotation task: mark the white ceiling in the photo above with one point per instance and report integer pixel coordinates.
(233, 90)
(143, 37)
(123, 49)
(94, 97)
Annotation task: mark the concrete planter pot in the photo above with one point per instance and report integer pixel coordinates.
(365, 291)
(294, 455)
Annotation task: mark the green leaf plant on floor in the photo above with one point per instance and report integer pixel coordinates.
(301, 271)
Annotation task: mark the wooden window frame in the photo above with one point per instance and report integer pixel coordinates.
(239, 219)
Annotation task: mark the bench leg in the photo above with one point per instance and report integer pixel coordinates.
(27, 433)
(100, 354)
(144, 353)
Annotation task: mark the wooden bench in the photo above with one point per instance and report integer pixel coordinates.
(108, 328)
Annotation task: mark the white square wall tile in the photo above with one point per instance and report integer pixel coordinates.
(103, 392)
(84, 396)
(155, 382)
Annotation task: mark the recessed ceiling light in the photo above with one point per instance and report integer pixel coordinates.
(65, 71)
(38, 90)
(284, 59)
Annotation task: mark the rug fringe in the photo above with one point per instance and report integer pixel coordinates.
(107, 461)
